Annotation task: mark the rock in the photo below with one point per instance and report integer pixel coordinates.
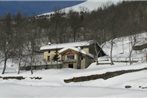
(128, 86)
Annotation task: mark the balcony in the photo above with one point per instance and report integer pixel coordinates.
(69, 61)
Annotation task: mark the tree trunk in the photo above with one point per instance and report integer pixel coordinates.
(19, 66)
(111, 52)
(133, 42)
(5, 62)
(96, 54)
(31, 69)
(123, 46)
(74, 36)
(31, 65)
(31, 62)
(130, 55)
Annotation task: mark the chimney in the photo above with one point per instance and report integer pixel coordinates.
(49, 43)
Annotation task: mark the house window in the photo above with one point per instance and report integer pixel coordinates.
(49, 51)
(81, 57)
(48, 58)
(70, 57)
(70, 65)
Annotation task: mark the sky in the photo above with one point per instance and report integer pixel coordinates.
(33, 8)
(45, 7)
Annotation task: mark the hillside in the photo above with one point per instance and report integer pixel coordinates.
(97, 20)
(88, 5)
(122, 47)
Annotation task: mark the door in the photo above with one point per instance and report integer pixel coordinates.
(70, 65)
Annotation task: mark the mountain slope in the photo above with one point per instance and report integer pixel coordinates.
(122, 47)
(89, 5)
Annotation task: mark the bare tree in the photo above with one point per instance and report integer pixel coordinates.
(7, 40)
(20, 38)
(111, 51)
(33, 40)
(132, 44)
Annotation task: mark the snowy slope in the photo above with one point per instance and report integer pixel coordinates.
(88, 5)
(92, 4)
(122, 47)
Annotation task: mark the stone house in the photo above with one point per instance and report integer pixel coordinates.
(78, 55)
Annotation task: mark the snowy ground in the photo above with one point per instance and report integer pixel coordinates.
(122, 47)
(52, 83)
(11, 91)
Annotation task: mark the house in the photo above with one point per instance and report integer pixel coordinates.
(78, 55)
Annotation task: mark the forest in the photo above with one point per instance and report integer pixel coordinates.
(22, 36)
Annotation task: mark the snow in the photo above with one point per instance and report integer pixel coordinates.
(141, 39)
(88, 5)
(64, 45)
(122, 47)
(92, 5)
(65, 92)
(52, 83)
(77, 50)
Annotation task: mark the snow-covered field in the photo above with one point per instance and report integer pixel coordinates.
(52, 83)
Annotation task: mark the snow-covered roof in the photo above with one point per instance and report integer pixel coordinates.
(77, 50)
(66, 45)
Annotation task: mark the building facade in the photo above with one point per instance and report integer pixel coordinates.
(78, 55)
